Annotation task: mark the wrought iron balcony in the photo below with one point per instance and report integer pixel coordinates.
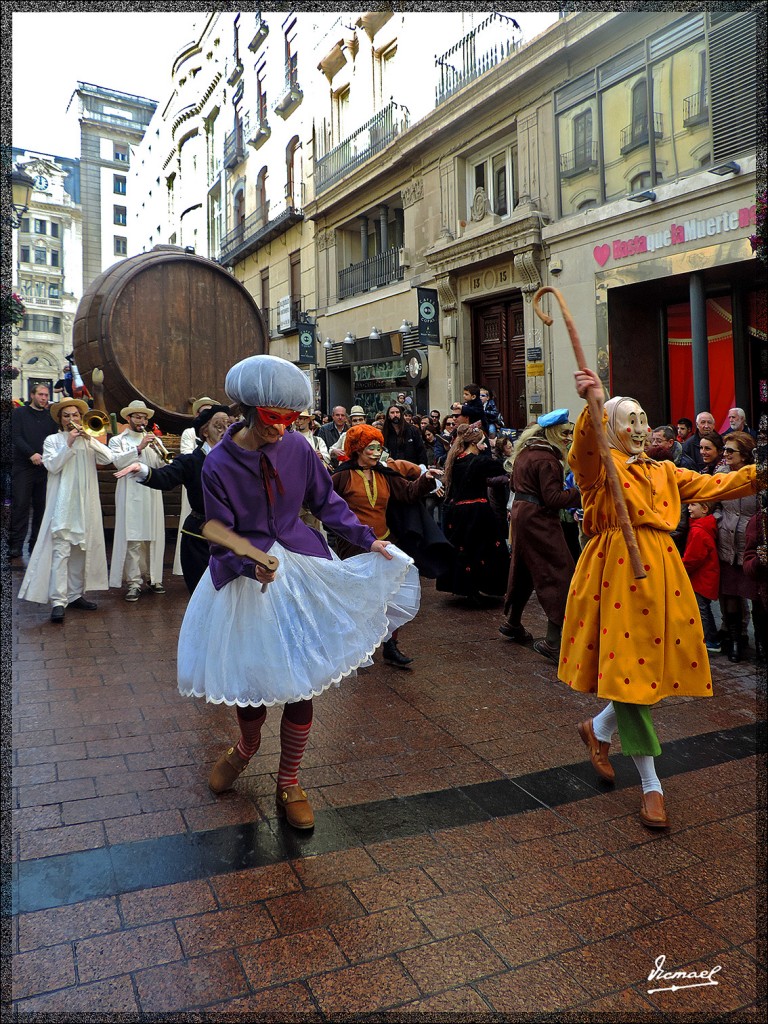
(290, 324)
(291, 95)
(583, 158)
(636, 134)
(695, 109)
(371, 273)
(371, 138)
(255, 231)
(234, 146)
(478, 52)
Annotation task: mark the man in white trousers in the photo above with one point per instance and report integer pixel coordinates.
(69, 556)
(138, 545)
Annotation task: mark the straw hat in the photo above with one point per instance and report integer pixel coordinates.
(198, 404)
(56, 407)
(136, 406)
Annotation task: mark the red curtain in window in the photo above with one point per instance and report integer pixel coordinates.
(722, 390)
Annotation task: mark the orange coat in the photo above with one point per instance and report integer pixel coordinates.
(628, 640)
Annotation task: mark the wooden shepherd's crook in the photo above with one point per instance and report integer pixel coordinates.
(602, 441)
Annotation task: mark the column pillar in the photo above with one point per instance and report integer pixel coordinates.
(363, 238)
(699, 344)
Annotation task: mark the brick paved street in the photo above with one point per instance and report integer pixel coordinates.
(465, 860)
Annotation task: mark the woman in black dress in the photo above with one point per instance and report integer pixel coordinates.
(482, 560)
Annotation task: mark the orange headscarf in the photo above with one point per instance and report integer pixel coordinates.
(360, 437)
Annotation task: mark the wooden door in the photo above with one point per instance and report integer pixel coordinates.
(499, 357)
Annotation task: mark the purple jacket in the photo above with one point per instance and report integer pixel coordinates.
(235, 491)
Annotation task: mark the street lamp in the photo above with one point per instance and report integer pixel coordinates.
(349, 338)
(405, 326)
(21, 186)
(374, 335)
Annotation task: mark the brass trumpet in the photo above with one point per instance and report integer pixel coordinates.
(158, 445)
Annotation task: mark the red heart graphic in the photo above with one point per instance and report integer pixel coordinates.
(602, 252)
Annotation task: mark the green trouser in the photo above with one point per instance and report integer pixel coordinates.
(636, 730)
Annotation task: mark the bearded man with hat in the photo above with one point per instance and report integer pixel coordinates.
(186, 470)
(540, 558)
(139, 541)
(250, 638)
(70, 556)
(187, 444)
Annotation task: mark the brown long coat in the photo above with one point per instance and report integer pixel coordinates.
(540, 557)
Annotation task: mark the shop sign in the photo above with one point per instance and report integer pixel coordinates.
(429, 333)
(307, 350)
(676, 234)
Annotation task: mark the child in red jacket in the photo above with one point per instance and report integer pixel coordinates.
(703, 567)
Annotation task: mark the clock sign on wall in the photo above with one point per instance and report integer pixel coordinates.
(417, 367)
(40, 183)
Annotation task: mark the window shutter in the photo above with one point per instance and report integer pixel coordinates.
(733, 44)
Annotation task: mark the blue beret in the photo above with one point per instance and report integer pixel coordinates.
(552, 419)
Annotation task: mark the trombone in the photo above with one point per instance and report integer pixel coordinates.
(92, 425)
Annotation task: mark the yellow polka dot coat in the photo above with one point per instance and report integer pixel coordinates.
(628, 640)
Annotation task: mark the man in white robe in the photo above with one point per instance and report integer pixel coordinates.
(138, 545)
(69, 556)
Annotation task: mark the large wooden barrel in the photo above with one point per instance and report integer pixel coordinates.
(165, 326)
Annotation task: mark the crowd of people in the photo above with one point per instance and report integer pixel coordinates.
(357, 508)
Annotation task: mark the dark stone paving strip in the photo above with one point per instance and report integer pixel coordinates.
(71, 878)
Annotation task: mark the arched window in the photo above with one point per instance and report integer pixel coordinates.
(640, 112)
(261, 193)
(293, 176)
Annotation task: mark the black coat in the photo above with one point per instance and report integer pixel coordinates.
(408, 444)
(187, 470)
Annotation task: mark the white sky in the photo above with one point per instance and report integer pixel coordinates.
(130, 52)
(52, 52)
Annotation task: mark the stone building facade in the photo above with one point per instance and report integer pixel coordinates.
(394, 226)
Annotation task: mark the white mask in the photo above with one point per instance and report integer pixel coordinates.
(627, 426)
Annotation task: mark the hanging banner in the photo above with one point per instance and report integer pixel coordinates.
(307, 349)
(429, 330)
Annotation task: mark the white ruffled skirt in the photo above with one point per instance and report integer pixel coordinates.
(318, 622)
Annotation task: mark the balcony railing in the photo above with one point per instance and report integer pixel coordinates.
(695, 109)
(478, 52)
(374, 136)
(293, 320)
(371, 273)
(234, 145)
(256, 230)
(636, 134)
(583, 158)
(291, 95)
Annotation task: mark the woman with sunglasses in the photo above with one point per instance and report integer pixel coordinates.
(249, 638)
(541, 559)
(735, 586)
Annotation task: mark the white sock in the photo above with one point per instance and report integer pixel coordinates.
(604, 724)
(648, 777)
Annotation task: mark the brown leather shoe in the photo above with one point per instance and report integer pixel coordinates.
(598, 751)
(653, 813)
(292, 802)
(226, 771)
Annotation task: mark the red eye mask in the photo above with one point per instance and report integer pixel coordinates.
(270, 418)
